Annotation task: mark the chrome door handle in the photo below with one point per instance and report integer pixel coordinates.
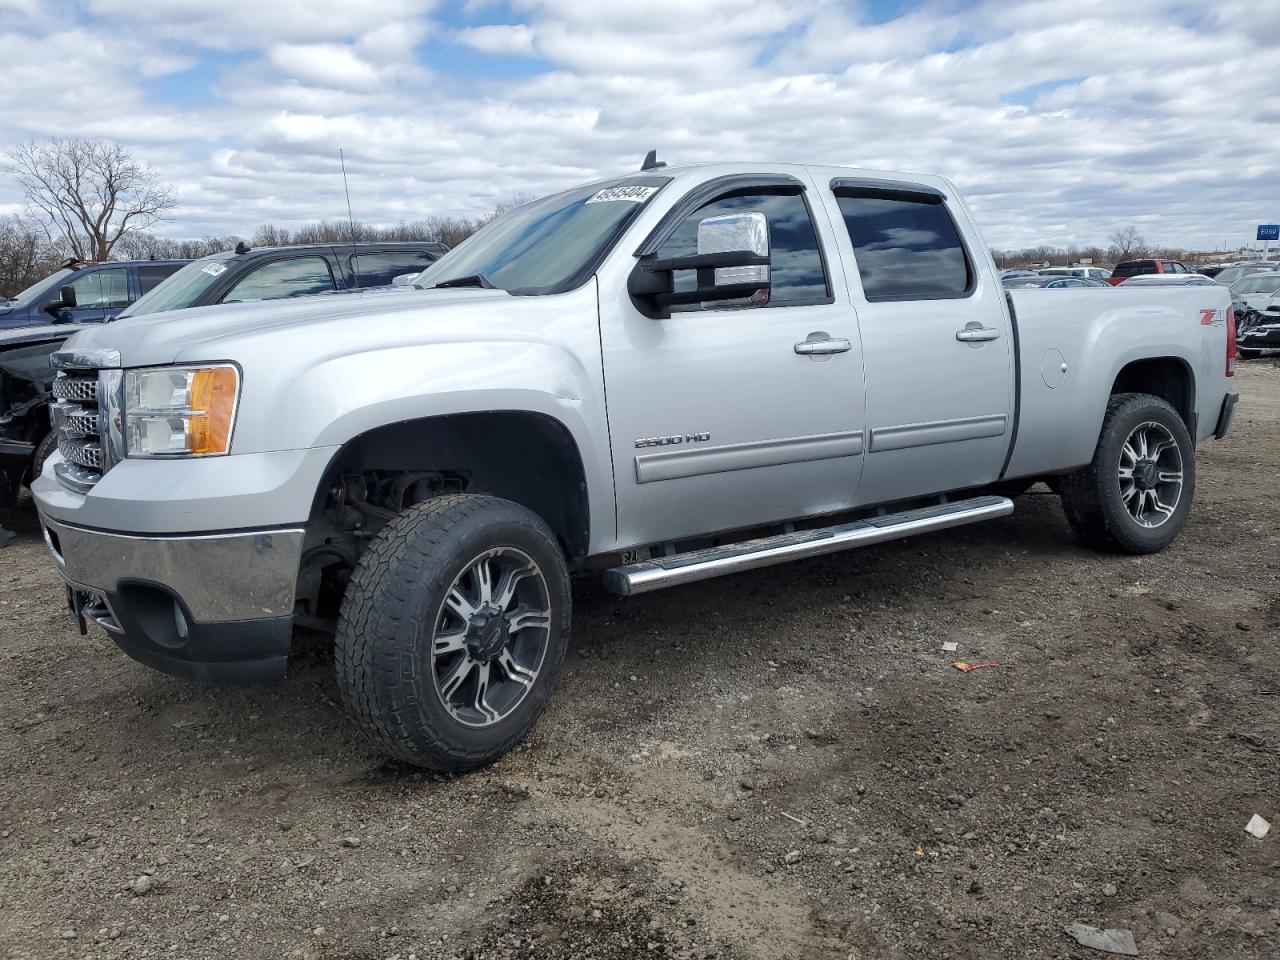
(977, 334)
(809, 348)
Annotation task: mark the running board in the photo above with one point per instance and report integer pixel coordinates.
(697, 565)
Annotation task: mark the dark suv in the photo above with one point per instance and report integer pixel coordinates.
(84, 292)
(1139, 268)
(271, 273)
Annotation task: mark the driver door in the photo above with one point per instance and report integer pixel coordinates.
(727, 415)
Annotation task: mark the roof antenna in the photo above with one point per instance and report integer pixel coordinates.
(351, 223)
(651, 161)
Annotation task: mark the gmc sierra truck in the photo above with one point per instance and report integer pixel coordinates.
(659, 378)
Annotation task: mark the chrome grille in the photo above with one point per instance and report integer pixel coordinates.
(81, 388)
(78, 421)
(87, 453)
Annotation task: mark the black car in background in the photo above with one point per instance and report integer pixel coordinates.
(271, 273)
(236, 276)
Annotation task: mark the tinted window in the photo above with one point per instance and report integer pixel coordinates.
(907, 247)
(103, 289)
(795, 262)
(1134, 268)
(284, 278)
(379, 269)
(152, 274)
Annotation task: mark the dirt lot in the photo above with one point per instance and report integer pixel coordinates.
(778, 765)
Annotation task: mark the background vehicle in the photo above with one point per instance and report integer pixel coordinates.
(1256, 290)
(262, 274)
(1237, 271)
(268, 273)
(1088, 273)
(1169, 280)
(1137, 268)
(422, 471)
(1261, 331)
(83, 292)
(1052, 282)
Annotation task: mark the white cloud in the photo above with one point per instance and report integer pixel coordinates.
(1062, 121)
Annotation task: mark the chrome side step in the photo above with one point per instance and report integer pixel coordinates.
(659, 572)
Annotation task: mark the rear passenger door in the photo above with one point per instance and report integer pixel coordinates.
(936, 341)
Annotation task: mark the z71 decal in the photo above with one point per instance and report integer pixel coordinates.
(1211, 318)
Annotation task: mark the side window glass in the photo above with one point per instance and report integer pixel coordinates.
(284, 278)
(796, 268)
(379, 269)
(103, 289)
(150, 277)
(907, 247)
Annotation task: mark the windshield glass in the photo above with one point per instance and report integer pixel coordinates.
(1265, 284)
(550, 245)
(182, 289)
(43, 289)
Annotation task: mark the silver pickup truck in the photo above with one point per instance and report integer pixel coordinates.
(659, 378)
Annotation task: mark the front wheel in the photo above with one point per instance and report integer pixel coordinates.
(453, 630)
(1136, 493)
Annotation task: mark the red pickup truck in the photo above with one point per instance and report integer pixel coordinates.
(1137, 268)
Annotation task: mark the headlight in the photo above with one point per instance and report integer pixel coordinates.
(180, 411)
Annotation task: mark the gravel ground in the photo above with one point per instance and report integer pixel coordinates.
(778, 765)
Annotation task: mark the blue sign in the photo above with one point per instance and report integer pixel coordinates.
(1269, 231)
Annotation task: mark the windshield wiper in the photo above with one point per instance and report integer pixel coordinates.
(472, 280)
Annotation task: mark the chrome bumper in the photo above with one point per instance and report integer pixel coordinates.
(247, 575)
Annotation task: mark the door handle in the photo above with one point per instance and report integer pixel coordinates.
(977, 334)
(810, 348)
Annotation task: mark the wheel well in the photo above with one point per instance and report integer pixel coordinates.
(528, 458)
(1166, 377)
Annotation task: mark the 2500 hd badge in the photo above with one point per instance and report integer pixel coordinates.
(672, 441)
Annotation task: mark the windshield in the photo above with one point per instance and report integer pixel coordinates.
(550, 245)
(1265, 284)
(42, 290)
(182, 289)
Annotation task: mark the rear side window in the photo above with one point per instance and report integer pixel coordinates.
(1134, 268)
(907, 246)
(379, 269)
(152, 275)
(284, 278)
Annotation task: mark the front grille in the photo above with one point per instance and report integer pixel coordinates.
(80, 428)
(87, 453)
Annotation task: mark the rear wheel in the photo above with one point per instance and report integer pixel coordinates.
(453, 630)
(1136, 493)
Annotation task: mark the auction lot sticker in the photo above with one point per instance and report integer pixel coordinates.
(629, 194)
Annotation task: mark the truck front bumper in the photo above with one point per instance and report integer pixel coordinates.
(215, 608)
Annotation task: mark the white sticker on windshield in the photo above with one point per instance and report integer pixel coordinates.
(629, 194)
(214, 269)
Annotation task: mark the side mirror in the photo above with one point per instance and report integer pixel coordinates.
(731, 267)
(404, 280)
(66, 300)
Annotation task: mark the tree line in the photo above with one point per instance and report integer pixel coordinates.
(89, 199)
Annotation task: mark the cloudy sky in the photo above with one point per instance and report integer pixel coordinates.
(1062, 119)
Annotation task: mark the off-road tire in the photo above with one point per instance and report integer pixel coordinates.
(46, 446)
(1091, 496)
(383, 644)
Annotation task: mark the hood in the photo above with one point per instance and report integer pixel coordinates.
(51, 333)
(219, 332)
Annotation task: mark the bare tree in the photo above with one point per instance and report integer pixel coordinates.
(1127, 242)
(91, 192)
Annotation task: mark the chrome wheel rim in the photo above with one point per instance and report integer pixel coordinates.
(490, 636)
(1150, 474)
